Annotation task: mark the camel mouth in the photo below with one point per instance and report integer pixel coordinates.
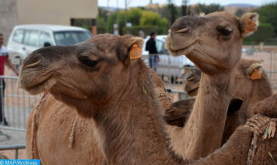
(183, 51)
(178, 51)
(44, 85)
(193, 92)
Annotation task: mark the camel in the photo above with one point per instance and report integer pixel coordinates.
(54, 128)
(117, 93)
(213, 43)
(75, 135)
(248, 89)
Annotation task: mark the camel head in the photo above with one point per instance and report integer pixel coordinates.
(85, 74)
(212, 42)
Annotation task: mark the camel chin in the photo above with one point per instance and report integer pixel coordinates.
(39, 88)
(180, 52)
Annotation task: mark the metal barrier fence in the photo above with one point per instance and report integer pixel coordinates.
(13, 147)
(269, 62)
(174, 70)
(16, 103)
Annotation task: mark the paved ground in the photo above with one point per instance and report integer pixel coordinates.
(16, 137)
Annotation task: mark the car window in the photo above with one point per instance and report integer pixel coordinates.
(31, 37)
(70, 37)
(159, 45)
(43, 38)
(18, 35)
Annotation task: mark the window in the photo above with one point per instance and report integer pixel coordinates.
(31, 37)
(70, 37)
(159, 45)
(26, 37)
(18, 35)
(43, 38)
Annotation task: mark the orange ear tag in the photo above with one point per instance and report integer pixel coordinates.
(250, 27)
(256, 75)
(135, 52)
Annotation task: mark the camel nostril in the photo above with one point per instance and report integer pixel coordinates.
(182, 30)
(32, 64)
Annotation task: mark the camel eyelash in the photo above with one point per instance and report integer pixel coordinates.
(224, 31)
(86, 61)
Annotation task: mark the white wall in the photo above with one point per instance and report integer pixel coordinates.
(8, 17)
(55, 11)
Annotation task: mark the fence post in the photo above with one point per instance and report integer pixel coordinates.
(16, 153)
(271, 67)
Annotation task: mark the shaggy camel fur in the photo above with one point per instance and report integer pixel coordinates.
(120, 98)
(177, 114)
(249, 90)
(48, 133)
(213, 43)
(49, 142)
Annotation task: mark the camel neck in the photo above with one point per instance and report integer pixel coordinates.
(204, 129)
(131, 128)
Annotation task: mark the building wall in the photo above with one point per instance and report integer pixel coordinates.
(8, 17)
(55, 11)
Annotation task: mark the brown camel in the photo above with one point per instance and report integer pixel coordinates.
(54, 128)
(75, 135)
(248, 89)
(118, 94)
(213, 43)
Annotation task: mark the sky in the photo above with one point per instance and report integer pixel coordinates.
(133, 3)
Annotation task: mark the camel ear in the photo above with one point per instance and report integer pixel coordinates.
(249, 23)
(132, 47)
(192, 83)
(255, 71)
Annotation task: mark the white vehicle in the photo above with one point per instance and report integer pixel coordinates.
(169, 66)
(24, 39)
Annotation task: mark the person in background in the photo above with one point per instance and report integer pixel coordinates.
(153, 53)
(4, 59)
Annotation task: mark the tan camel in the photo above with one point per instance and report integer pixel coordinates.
(178, 113)
(118, 94)
(54, 128)
(75, 135)
(213, 43)
(250, 90)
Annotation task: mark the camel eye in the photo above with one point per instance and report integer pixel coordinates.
(225, 32)
(86, 61)
(90, 63)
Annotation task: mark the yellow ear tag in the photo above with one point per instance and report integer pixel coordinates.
(256, 75)
(250, 27)
(135, 52)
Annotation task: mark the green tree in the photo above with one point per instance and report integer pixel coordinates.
(138, 17)
(172, 11)
(239, 13)
(110, 22)
(264, 32)
(102, 20)
(207, 8)
(150, 18)
(134, 15)
(268, 14)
